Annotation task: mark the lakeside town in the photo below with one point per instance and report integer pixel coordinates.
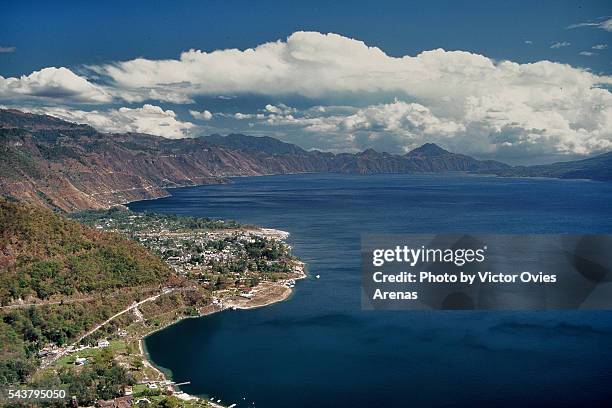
(214, 252)
(219, 265)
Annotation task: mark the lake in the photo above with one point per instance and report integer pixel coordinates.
(319, 349)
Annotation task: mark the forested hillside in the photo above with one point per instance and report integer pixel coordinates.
(80, 276)
(43, 254)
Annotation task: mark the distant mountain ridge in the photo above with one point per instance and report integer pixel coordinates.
(427, 150)
(266, 144)
(67, 166)
(593, 168)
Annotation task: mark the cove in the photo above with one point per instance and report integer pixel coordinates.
(320, 349)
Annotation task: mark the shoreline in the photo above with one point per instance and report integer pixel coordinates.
(284, 292)
(228, 180)
(287, 290)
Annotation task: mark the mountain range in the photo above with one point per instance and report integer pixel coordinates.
(70, 167)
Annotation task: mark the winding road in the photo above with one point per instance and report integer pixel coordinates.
(98, 326)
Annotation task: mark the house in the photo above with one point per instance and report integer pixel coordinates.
(121, 402)
(45, 351)
(103, 343)
(80, 360)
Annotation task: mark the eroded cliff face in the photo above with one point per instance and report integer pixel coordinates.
(71, 171)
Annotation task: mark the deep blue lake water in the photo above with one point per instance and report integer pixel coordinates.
(319, 349)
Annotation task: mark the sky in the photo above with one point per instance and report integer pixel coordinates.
(519, 81)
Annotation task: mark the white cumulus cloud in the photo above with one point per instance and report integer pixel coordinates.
(204, 115)
(243, 116)
(399, 117)
(147, 119)
(53, 84)
(475, 102)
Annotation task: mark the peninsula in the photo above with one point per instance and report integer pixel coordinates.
(78, 297)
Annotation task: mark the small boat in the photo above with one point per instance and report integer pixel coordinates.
(318, 276)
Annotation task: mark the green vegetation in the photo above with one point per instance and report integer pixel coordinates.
(101, 378)
(25, 331)
(197, 246)
(116, 346)
(60, 278)
(44, 254)
(70, 272)
(15, 162)
(118, 219)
